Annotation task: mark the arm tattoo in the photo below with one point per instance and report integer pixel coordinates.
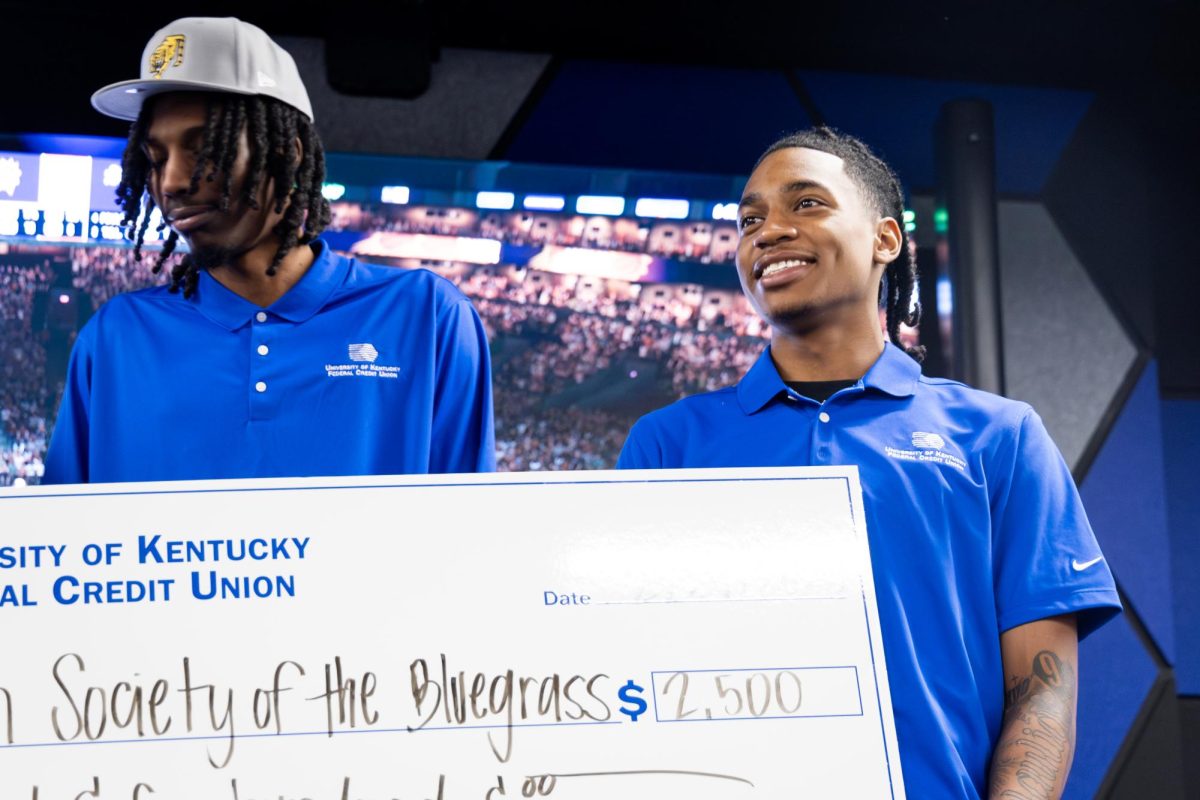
(1037, 738)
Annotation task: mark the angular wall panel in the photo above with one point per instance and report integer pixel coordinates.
(660, 117)
(896, 114)
(1106, 162)
(1181, 454)
(1125, 500)
(1115, 677)
(1153, 763)
(1064, 351)
(471, 99)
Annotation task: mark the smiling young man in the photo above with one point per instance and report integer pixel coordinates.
(986, 569)
(268, 354)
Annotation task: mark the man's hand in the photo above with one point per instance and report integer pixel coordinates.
(1037, 739)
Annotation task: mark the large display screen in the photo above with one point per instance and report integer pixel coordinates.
(598, 307)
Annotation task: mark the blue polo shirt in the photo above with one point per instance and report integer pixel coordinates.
(359, 369)
(974, 524)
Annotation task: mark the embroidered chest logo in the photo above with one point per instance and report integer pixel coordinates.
(927, 447)
(169, 53)
(363, 352)
(363, 356)
(927, 441)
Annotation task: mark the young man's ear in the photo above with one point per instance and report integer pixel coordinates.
(888, 241)
(297, 152)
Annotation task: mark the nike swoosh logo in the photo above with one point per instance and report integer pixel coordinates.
(1080, 567)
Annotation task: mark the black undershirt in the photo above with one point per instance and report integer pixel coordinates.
(820, 390)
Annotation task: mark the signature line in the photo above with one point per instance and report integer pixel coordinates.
(652, 772)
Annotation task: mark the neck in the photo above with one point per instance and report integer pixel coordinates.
(246, 274)
(827, 353)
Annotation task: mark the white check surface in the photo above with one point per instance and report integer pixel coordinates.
(736, 605)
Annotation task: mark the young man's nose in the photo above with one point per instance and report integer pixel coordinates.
(176, 177)
(772, 231)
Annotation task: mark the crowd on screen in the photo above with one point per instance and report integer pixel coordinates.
(106, 271)
(23, 392)
(584, 332)
(548, 336)
(556, 337)
(532, 436)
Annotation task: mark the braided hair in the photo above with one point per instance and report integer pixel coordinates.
(271, 127)
(881, 188)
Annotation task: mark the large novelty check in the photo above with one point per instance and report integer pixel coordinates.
(700, 634)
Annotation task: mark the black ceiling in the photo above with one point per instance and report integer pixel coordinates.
(56, 52)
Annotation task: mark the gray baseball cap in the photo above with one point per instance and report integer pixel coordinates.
(208, 54)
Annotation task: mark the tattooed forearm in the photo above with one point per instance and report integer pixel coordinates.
(1037, 739)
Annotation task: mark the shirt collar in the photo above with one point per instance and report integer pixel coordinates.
(302, 301)
(894, 373)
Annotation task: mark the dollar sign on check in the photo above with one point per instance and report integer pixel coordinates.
(630, 695)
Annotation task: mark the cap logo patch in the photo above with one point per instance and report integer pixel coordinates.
(169, 53)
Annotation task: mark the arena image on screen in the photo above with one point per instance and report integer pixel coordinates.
(596, 312)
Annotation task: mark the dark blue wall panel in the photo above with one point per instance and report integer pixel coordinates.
(707, 119)
(647, 116)
(1115, 676)
(897, 115)
(1181, 454)
(1124, 496)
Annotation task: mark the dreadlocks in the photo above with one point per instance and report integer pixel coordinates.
(881, 188)
(271, 127)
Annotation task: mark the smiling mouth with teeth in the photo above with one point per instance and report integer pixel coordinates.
(780, 266)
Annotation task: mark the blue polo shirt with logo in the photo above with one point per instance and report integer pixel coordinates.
(973, 518)
(359, 369)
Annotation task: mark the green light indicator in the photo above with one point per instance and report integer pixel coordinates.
(909, 227)
(909, 215)
(941, 220)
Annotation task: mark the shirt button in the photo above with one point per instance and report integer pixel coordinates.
(263, 349)
(823, 453)
(260, 387)
(261, 316)
(823, 417)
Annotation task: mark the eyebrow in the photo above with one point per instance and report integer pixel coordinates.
(189, 136)
(791, 188)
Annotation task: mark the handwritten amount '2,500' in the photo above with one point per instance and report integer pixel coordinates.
(733, 694)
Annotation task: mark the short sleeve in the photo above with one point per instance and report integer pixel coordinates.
(1046, 560)
(463, 438)
(67, 457)
(641, 450)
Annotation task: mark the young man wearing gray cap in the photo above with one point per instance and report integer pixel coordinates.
(278, 357)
